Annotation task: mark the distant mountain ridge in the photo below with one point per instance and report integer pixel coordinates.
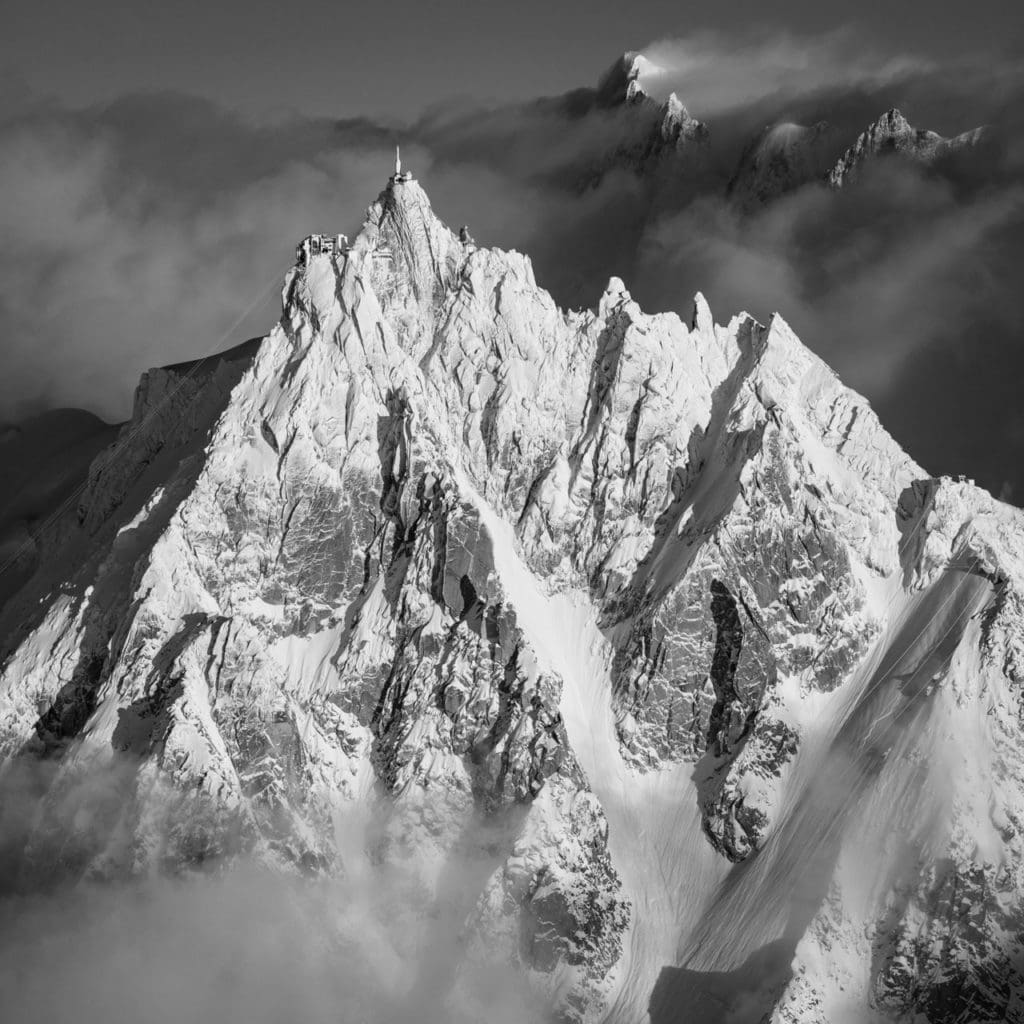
(782, 157)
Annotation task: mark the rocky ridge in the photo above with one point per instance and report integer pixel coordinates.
(893, 134)
(785, 157)
(671, 150)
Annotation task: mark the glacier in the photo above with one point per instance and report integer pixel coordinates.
(641, 637)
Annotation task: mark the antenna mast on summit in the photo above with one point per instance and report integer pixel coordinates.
(400, 176)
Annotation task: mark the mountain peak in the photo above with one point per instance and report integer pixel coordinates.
(401, 236)
(401, 203)
(892, 133)
(781, 158)
(626, 81)
(674, 107)
(893, 121)
(678, 125)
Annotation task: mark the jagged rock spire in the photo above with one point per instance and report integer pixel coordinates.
(892, 133)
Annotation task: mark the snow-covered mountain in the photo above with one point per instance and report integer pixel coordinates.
(665, 145)
(780, 159)
(662, 141)
(893, 134)
(787, 156)
(720, 687)
(628, 80)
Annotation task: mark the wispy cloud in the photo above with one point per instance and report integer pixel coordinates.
(718, 73)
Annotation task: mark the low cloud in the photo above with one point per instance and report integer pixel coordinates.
(386, 940)
(114, 263)
(247, 946)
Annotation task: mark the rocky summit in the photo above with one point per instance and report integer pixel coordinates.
(721, 688)
(893, 134)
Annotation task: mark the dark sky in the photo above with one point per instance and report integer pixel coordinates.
(335, 57)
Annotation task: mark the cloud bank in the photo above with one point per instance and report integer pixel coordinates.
(246, 947)
(387, 939)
